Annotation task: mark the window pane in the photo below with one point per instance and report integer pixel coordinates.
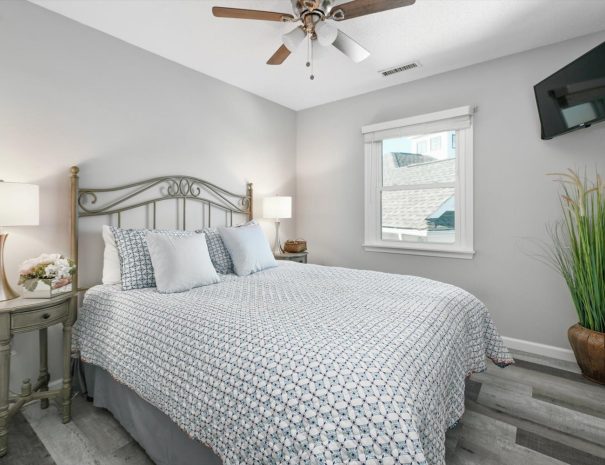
(422, 159)
(419, 215)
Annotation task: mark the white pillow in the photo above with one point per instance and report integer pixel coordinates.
(180, 263)
(248, 247)
(111, 259)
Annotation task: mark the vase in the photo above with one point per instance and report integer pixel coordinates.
(589, 348)
(44, 288)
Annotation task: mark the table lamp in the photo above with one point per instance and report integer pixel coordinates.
(278, 207)
(19, 206)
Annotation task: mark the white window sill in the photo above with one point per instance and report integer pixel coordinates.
(429, 250)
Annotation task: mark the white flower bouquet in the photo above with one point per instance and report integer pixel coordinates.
(46, 276)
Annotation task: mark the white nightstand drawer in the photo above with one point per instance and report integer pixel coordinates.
(42, 317)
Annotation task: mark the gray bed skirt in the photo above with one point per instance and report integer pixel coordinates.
(162, 439)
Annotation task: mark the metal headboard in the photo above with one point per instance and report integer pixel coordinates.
(179, 189)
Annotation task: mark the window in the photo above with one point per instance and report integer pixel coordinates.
(417, 200)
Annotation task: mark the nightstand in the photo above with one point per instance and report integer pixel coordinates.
(23, 315)
(300, 257)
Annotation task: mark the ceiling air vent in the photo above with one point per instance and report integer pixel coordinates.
(399, 69)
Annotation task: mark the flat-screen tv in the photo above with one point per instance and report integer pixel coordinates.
(573, 97)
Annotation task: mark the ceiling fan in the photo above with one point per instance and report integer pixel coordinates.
(313, 16)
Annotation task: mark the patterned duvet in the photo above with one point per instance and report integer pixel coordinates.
(299, 364)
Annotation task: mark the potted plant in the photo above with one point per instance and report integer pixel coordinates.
(578, 253)
(46, 276)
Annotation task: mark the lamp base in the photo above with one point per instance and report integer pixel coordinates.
(277, 246)
(6, 292)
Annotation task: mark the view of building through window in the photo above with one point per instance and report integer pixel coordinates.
(418, 187)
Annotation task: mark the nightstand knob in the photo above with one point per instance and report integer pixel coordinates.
(46, 316)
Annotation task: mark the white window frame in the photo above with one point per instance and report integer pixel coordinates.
(459, 119)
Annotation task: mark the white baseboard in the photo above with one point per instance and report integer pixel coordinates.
(539, 349)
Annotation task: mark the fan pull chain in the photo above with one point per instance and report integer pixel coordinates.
(312, 74)
(310, 56)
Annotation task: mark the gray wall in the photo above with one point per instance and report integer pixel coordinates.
(72, 95)
(514, 199)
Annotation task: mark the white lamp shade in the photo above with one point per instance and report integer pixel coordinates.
(277, 207)
(293, 38)
(326, 33)
(19, 204)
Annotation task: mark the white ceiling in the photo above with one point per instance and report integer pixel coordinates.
(441, 34)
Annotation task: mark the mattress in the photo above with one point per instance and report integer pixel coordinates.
(300, 364)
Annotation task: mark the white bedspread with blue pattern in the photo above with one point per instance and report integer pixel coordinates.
(299, 364)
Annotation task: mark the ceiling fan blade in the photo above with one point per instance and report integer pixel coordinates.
(350, 48)
(279, 56)
(357, 8)
(240, 13)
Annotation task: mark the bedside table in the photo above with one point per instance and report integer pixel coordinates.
(300, 257)
(23, 315)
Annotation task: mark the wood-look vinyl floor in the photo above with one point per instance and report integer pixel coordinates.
(537, 412)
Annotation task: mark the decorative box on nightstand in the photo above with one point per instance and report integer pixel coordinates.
(300, 257)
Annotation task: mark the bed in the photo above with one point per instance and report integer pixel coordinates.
(300, 364)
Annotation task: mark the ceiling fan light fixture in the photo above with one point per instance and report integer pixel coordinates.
(326, 33)
(311, 15)
(294, 38)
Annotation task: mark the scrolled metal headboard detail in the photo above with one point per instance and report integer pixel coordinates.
(169, 187)
(85, 201)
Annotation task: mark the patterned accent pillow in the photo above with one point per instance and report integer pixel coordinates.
(219, 255)
(135, 261)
